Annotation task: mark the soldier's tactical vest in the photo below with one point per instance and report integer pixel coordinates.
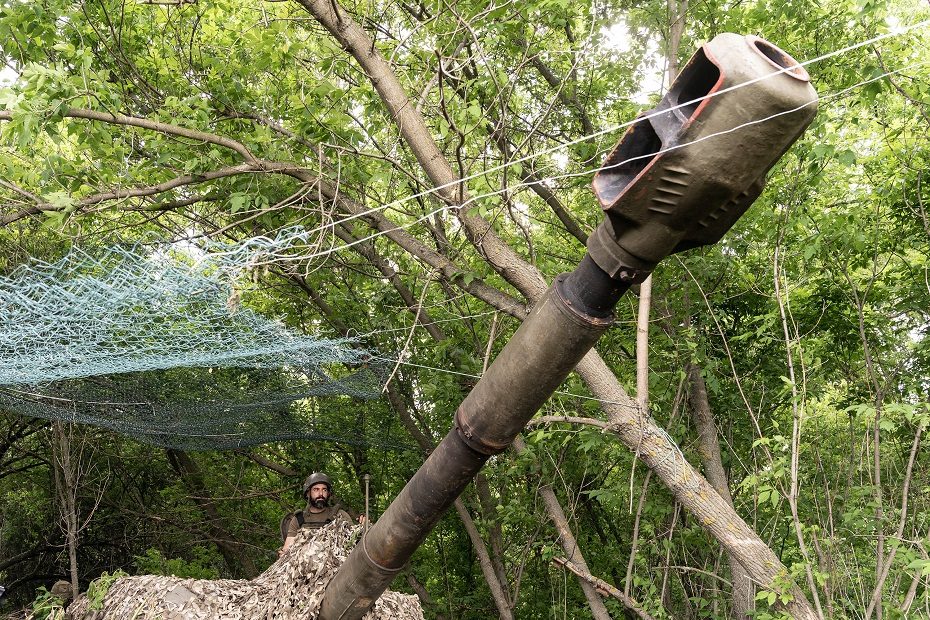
(309, 520)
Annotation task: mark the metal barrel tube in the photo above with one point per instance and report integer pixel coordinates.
(547, 346)
(678, 179)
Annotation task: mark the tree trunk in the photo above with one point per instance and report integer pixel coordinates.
(603, 586)
(495, 534)
(233, 551)
(657, 450)
(425, 599)
(66, 479)
(501, 598)
(568, 542)
(709, 449)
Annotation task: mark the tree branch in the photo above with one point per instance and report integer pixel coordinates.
(604, 588)
(144, 123)
(141, 192)
(567, 540)
(284, 470)
(567, 419)
(414, 131)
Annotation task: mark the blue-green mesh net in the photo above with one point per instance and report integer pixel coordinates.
(218, 410)
(147, 307)
(153, 341)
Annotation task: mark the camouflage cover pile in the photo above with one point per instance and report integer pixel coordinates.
(292, 587)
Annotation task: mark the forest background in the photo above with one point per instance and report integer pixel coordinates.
(788, 364)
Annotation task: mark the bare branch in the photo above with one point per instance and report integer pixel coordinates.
(605, 588)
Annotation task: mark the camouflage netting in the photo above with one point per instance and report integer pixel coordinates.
(146, 307)
(291, 588)
(215, 409)
(157, 341)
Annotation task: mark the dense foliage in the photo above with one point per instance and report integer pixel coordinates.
(808, 324)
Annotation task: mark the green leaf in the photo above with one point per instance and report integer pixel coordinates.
(846, 157)
(62, 201)
(238, 202)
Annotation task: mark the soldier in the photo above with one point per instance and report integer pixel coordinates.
(318, 489)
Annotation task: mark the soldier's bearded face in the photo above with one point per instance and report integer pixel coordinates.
(319, 494)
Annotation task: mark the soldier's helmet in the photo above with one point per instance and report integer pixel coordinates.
(317, 478)
(62, 589)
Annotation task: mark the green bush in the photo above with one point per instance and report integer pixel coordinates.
(46, 605)
(153, 562)
(99, 587)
